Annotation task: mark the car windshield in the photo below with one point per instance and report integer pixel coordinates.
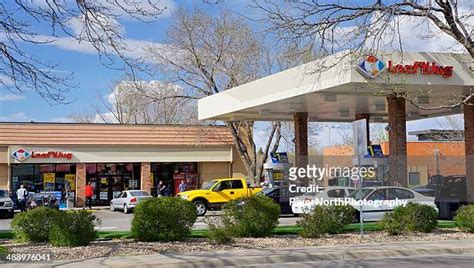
(360, 194)
(266, 191)
(208, 185)
(139, 193)
(3, 193)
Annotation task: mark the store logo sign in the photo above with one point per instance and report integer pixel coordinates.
(371, 66)
(21, 154)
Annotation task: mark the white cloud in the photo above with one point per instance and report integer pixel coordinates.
(5, 80)
(11, 97)
(16, 117)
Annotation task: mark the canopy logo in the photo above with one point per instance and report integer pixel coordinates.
(371, 66)
(21, 154)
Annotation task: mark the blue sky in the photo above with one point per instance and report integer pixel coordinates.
(95, 80)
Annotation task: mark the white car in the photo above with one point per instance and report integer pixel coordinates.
(127, 200)
(305, 203)
(388, 194)
(6, 204)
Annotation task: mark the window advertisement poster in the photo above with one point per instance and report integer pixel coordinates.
(48, 181)
(104, 195)
(70, 180)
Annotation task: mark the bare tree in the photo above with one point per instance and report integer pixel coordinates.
(207, 55)
(93, 22)
(331, 26)
(140, 102)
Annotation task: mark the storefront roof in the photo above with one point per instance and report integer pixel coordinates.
(113, 134)
(334, 90)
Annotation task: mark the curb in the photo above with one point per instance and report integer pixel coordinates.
(302, 257)
(274, 256)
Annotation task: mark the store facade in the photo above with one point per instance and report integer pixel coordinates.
(62, 158)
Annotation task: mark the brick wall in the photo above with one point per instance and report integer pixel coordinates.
(146, 181)
(80, 184)
(469, 145)
(397, 141)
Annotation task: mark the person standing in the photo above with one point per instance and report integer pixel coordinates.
(21, 195)
(89, 191)
(161, 188)
(182, 186)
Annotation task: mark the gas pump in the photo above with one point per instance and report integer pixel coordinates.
(276, 169)
(376, 159)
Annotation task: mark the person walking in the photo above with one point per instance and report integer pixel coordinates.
(89, 191)
(21, 195)
(182, 186)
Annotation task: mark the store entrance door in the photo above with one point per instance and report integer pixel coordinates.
(108, 187)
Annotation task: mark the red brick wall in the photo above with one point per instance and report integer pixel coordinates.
(80, 184)
(397, 141)
(301, 139)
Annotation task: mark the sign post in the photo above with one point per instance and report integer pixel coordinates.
(360, 149)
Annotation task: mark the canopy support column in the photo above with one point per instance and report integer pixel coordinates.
(469, 148)
(301, 139)
(397, 134)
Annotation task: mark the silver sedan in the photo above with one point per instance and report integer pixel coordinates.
(127, 200)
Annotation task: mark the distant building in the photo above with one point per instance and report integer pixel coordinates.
(438, 135)
(432, 154)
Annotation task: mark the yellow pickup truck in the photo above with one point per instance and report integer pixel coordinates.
(216, 193)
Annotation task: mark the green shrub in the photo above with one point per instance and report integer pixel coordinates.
(394, 223)
(219, 234)
(256, 216)
(163, 219)
(73, 228)
(4, 250)
(465, 218)
(326, 220)
(34, 225)
(410, 218)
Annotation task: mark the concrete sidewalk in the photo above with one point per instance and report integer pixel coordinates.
(272, 256)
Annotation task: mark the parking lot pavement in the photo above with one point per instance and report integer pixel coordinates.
(118, 221)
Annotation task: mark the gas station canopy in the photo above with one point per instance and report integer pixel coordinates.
(336, 88)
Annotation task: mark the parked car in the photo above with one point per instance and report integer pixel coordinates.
(216, 193)
(42, 200)
(387, 193)
(305, 203)
(281, 196)
(6, 204)
(449, 193)
(128, 200)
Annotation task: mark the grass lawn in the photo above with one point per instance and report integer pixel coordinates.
(279, 230)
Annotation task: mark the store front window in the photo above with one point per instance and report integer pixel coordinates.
(110, 179)
(171, 174)
(47, 177)
(58, 178)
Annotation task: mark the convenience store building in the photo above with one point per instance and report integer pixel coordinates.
(65, 156)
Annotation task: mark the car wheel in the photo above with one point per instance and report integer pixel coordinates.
(112, 208)
(11, 214)
(125, 209)
(201, 207)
